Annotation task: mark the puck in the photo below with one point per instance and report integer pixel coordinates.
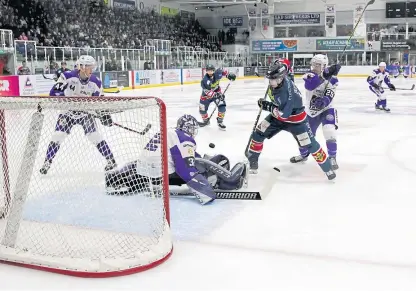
(276, 169)
(211, 145)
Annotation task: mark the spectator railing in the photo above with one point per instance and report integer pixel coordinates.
(6, 40)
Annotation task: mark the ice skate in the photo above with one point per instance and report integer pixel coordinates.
(298, 159)
(333, 162)
(45, 168)
(221, 124)
(382, 108)
(331, 175)
(205, 122)
(111, 164)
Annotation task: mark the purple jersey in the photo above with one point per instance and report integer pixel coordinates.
(182, 154)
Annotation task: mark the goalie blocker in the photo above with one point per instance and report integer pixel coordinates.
(216, 170)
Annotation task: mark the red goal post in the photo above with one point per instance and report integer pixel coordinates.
(65, 221)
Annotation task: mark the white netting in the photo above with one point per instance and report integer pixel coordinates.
(66, 219)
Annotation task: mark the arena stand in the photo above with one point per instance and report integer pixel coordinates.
(44, 24)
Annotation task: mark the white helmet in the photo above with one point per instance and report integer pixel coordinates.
(382, 64)
(86, 61)
(318, 63)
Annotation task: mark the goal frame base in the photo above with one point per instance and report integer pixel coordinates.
(83, 274)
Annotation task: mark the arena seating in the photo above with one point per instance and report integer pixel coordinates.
(82, 23)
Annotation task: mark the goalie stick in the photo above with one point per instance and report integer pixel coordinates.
(223, 194)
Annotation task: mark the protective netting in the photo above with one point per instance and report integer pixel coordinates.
(84, 214)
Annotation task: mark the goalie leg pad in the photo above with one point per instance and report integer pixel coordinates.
(238, 179)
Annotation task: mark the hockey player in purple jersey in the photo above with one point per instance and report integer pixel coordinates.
(211, 92)
(376, 80)
(79, 83)
(320, 85)
(286, 113)
(186, 167)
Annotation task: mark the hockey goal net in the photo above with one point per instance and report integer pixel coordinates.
(66, 221)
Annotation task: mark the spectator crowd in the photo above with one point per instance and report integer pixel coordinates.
(85, 23)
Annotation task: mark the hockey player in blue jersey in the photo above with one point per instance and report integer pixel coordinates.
(375, 81)
(320, 86)
(211, 92)
(62, 69)
(79, 83)
(186, 167)
(286, 113)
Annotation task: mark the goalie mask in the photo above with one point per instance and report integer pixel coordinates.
(188, 124)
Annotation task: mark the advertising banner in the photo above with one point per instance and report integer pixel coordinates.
(146, 77)
(339, 44)
(124, 4)
(359, 21)
(393, 45)
(110, 80)
(9, 86)
(255, 71)
(27, 85)
(148, 5)
(123, 79)
(330, 21)
(170, 76)
(300, 70)
(43, 85)
(274, 45)
(190, 75)
(234, 21)
(168, 11)
(297, 18)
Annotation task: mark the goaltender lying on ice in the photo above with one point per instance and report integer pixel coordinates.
(189, 173)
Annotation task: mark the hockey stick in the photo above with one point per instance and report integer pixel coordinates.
(143, 132)
(223, 194)
(46, 78)
(202, 124)
(256, 122)
(404, 89)
(352, 33)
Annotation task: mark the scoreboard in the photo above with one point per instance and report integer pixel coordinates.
(401, 10)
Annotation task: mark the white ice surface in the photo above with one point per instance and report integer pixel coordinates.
(307, 234)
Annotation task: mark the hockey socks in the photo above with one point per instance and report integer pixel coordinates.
(52, 150)
(104, 150)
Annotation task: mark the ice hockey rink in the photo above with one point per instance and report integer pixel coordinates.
(357, 233)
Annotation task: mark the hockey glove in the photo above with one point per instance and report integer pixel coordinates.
(266, 105)
(106, 120)
(392, 87)
(209, 93)
(231, 77)
(332, 71)
(322, 102)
